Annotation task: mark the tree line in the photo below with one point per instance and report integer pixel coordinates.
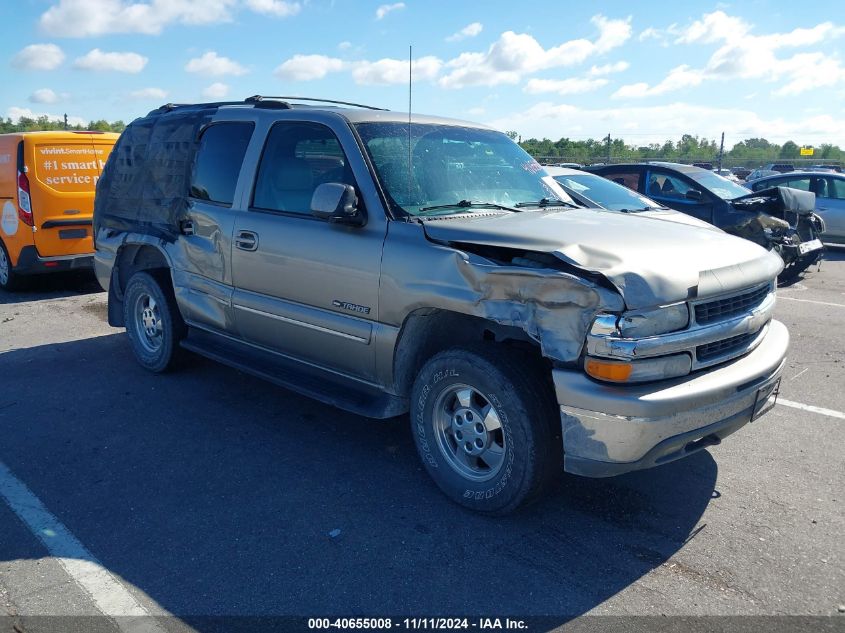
(752, 151)
(688, 148)
(44, 123)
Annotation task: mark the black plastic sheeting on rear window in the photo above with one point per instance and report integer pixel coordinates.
(145, 183)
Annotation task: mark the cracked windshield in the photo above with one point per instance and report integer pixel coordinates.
(456, 169)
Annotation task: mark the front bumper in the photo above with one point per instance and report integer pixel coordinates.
(613, 429)
(31, 263)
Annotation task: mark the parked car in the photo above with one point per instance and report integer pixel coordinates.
(760, 173)
(453, 280)
(590, 190)
(569, 165)
(782, 220)
(741, 173)
(780, 167)
(726, 173)
(47, 182)
(829, 189)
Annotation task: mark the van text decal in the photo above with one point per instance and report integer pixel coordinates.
(71, 168)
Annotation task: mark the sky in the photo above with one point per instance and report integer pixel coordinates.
(644, 72)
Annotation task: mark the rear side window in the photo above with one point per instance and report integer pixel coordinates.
(630, 179)
(219, 160)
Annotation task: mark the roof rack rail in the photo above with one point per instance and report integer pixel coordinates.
(259, 98)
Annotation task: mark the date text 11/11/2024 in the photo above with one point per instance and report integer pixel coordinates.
(418, 623)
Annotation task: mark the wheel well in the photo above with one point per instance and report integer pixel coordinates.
(426, 332)
(130, 259)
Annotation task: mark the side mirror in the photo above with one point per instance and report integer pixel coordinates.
(337, 203)
(694, 194)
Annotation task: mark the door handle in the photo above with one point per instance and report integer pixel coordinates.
(187, 227)
(246, 240)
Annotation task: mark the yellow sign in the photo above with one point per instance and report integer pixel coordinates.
(806, 151)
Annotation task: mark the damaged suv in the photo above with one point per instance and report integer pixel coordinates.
(434, 269)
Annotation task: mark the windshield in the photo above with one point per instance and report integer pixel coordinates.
(721, 187)
(606, 193)
(456, 170)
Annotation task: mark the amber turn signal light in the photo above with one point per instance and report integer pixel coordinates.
(608, 370)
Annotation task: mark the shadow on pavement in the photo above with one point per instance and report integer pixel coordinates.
(53, 286)
(216, 493)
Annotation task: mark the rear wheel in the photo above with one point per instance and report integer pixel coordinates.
(153, 322)
(486, 427)
(8, 279)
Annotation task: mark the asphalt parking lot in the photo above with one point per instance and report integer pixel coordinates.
(209, 492)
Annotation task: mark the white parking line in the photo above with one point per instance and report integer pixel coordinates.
(821, 303)
(110, 596)
(812, 409)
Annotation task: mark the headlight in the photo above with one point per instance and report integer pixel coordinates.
(638, 370)
(642, 323)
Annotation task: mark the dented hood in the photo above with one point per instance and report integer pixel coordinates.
(650, 262)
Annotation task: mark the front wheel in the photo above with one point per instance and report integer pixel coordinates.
(486, 427)
(153, 322)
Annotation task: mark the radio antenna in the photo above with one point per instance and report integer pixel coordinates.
(410, 84)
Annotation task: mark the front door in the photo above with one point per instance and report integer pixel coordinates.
(671, 191)
(830, 204)
(304, 287)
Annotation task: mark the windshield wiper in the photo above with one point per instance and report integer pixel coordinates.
(469, 204)
(638, 210)
(545, 202)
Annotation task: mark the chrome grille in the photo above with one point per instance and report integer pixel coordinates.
(719, 309)
(725, 347)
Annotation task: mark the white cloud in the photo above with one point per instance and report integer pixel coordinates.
(16, 113)
(344, 46)
(743, 55)
(39, 57)
(714, 27)
(608, 69)
(216, 90)
(147, 94)
(85, 18)
(213, 65)
(808, 71)
(514, 55)
(679, 77)
(395, 71)
(470, 30)
(384, 9)
(308, 67)
(278, 8)
(118, 62)
(573, 85)
(655, 124)
(44, 95)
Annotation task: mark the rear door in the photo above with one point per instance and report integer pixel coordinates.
(63, 171)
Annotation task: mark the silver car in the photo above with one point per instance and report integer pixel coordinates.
(830, 197)
(436, 271)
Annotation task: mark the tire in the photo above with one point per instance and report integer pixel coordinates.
(153, 322)
(9, 280)
(486, 427)
(793, 269)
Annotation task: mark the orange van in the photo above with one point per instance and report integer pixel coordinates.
(47, 183)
